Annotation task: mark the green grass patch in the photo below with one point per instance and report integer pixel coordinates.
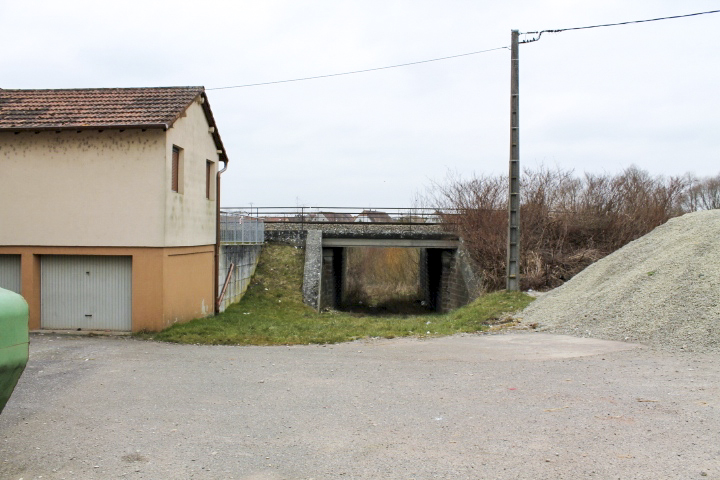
(272, 313)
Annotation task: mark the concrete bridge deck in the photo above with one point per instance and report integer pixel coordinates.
(390, 242)
(389, 236)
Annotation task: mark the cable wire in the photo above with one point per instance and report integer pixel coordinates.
(359, 71)
(539, 33)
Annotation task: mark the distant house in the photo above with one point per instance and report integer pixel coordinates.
(334, 217)
(315, 217)
(373, 216)
(108, 205)
(322, 217)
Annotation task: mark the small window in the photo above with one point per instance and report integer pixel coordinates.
(176, 181)
(210, 180)
(175, 169)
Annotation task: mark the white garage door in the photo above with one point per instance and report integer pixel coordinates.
(10, 272)
(86, 292)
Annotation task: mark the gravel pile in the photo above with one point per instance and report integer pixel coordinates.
(663, 290)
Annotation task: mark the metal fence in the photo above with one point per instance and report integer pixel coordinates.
(239, 228)
(388, 215)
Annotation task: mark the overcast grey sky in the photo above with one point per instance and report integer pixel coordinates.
(595, 100)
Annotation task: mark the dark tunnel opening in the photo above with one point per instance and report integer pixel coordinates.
(382, 280)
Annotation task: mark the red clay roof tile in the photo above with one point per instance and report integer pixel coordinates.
(94, 107)
(99, 108)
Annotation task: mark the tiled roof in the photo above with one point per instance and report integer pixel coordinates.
(94, 107)
(91, 108)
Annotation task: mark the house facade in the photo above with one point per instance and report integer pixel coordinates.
(373, 216)
(108, 206)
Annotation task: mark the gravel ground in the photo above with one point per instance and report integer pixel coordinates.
(662, 290)
(513, 406)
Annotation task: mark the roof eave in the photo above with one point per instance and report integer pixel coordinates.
(57, 128)
(211, 122)
(216, 134)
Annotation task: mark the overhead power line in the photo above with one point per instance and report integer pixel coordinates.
(539, 33)
(360, 71)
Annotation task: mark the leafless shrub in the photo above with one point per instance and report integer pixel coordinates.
(376, 275)
(567, 222)
(702, 194)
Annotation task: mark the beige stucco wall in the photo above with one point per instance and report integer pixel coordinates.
(108, 188)
(190, 216)
(188, 289)
(82, 188)
(109, 193)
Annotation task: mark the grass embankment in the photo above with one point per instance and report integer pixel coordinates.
(272, 313)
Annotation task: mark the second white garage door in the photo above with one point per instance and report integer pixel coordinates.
(86, 292)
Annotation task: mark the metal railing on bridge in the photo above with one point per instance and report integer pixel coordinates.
(347, 215)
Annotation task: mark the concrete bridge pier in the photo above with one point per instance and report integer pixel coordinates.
(333, 277)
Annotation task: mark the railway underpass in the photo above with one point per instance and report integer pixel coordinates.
(447, 280)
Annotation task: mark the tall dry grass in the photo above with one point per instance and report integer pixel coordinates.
(566, 221)
(378, 275)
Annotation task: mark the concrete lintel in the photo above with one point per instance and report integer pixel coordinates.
(389, 242)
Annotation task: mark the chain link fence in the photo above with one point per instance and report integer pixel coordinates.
(239, 228)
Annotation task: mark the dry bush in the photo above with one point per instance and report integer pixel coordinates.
(566, 222)
(375, 275)
(480, 218)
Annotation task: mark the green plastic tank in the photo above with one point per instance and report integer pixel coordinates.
(14, 342)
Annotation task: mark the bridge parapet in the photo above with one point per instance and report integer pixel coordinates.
(361, 228)
(295, 233)
(347, 215)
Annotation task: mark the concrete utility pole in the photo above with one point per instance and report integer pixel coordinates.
(513, 245)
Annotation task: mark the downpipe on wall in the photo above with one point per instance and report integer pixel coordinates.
(217, 238)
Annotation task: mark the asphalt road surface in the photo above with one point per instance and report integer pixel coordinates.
(513, 406)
